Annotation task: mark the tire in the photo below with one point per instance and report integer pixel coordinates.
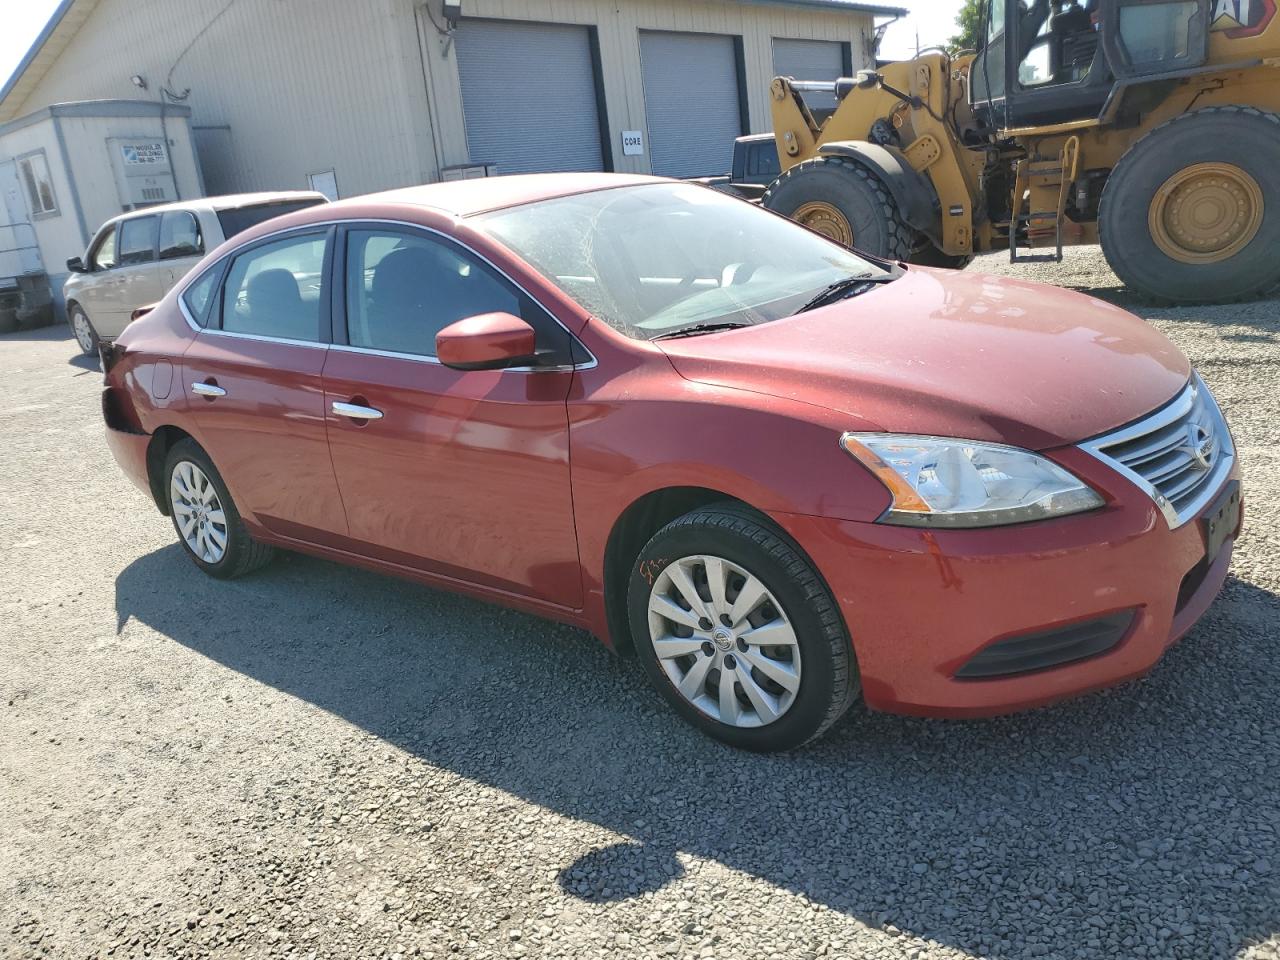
(239, 553)
(1130, 216)
(812, 645)
(82, 329)
(869, 212)
(8, 319)
(927, 255)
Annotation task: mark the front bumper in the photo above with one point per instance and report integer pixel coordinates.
(919, 604)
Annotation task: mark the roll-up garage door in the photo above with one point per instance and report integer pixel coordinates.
(691, 101)
(810, 60)
(529, 96)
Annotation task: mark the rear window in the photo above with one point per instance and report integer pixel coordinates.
(242, 218)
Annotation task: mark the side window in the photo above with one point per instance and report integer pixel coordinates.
(104, 252)
(199, 295)
(34, 170)
(274, 290)
(763, 160)
(404, 288)
(180, 236)
(138, 240)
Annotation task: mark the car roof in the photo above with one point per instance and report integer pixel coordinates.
(227, 201)
(463, 198)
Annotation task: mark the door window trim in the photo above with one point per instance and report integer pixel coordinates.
(328, 304)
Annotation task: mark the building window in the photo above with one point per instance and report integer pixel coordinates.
(34, 170)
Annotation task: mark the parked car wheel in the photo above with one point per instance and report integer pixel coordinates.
(738, 632)
(86, 337)
(205, 517)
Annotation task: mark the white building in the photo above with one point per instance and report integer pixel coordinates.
(351, 96)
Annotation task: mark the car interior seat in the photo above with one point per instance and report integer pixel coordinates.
(276, 308)
(416, 292)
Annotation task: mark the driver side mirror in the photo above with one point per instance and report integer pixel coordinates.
(76, 265)
(487, 341)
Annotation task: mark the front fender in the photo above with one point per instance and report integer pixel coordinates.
(775, 454)
(913, 192)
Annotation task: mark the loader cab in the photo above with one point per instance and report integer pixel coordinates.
(1055, 61)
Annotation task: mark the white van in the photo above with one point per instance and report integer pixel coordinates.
(137, 257)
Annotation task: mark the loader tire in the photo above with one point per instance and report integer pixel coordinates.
(844, 201)
(1191, 213)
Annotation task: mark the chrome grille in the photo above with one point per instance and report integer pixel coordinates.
(1179, 455)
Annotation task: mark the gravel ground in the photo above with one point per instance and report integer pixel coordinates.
(317, 761)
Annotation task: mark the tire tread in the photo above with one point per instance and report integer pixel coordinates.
(1133, 159)
(742, 521)
(250, 554)
(901, 236)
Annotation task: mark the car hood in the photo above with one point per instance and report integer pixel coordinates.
(945, 353)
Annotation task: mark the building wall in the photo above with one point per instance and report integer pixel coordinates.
(368, 88)
(618, 25)
(300, 86)
(83, 178)
(94, 175)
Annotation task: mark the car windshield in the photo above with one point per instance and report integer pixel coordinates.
(656, 259)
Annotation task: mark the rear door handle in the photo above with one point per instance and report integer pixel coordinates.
(207, 390)
(356, 411)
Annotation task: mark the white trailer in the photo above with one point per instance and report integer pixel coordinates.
(68, 168)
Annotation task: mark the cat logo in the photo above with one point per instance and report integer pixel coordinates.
(1242, 18)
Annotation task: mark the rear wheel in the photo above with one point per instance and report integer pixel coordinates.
(738, 632)
(205, 517)
(82, 329)
(1191, 214)
(845, 202)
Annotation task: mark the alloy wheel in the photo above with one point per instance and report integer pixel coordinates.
(84, 333)
(724, 641)
(201, 520)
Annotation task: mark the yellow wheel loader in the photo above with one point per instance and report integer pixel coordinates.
(1149, 126)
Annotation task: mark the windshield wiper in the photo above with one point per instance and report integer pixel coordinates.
(698, 328)
(848, 287)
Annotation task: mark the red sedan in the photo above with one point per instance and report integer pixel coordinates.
(784, 474)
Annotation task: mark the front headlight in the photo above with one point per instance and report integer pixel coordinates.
(940, 482)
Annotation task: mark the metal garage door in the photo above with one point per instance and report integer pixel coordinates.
(529, 96)
(691, 102)
(810, 60)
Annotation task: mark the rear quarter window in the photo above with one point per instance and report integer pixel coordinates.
(198, 297)
(242, 218)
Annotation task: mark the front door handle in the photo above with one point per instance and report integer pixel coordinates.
(356, 411)
(207, 390)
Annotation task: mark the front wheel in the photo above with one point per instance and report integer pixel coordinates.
(738, 632)
(844, 202)
(1191, 214)
(205, 517)
(82, 329)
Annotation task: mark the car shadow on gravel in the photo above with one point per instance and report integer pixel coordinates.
(1138, 822)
